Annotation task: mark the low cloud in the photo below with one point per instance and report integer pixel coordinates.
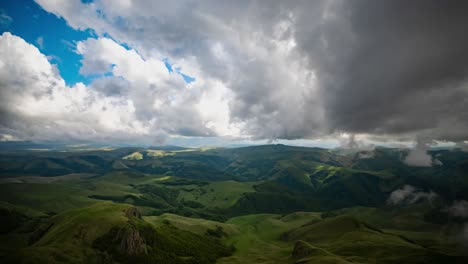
(459, 209)
(355, 142)
(465, 231)
(409, 195)
(463, 146)
(365, 155)
(419, 156)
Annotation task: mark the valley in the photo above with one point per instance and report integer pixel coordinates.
(260, 204)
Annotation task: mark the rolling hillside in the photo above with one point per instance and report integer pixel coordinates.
(263, 204)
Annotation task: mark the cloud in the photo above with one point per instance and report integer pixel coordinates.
(7, 137)
(465, 231)
(386, 75)
(195, 109)
(418, 156)
(459, 209)
(463, 145)
(272, 92)
(139, 102)
(287, 70)
(36, 103)
(5, 19)
(355, 142)
(40, 42)
(409, 195)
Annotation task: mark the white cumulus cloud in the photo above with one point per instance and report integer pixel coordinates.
(139, 101)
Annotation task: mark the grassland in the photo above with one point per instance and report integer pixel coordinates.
(258, 237)
(266, 204)
(134, 156)
(220, 194)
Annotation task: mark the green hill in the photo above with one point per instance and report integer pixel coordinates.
(262, 204)
(345, 239)
(107, 233)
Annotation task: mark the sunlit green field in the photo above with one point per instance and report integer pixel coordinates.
(257, 205)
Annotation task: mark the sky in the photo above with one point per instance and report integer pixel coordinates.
(316, 73)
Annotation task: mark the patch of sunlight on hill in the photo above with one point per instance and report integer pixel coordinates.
(134, 156)
(158, 153)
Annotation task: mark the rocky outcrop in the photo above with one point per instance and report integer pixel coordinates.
(123, 241)
(132, 212)
(10, 220)
(131, 242)
(302, 249)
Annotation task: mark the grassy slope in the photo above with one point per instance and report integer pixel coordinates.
(269, 238)
(69, 193)
(258, 239)
(70, 239)
(75, 236)
(353, 241)
(195, 225)
(221, 194)
(44, 197)
(409, 222)
(134, 156)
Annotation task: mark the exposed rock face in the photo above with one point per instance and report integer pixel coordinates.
(9, 220)
(40, 231)
(131, 241)
(126, 240)
(302, 249)
(132, 212)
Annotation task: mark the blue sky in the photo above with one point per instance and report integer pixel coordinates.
(353, 71)
(54, 38)
(50, 34)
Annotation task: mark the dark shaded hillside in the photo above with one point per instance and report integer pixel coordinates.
(273, 204)
(111, 233)
(317, 243)
(319, 191)
(449, 178)
(287, 178)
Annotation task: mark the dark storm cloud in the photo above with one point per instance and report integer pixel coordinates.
(291, 69)
(392, 66)
(382, 67)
